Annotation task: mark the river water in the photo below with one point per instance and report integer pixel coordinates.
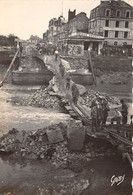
(28, 178)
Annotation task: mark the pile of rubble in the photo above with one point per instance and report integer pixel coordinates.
(91, 95)
(37, 144)
(52, 143)
(40, 98)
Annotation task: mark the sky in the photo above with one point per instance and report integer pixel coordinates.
(31, 17)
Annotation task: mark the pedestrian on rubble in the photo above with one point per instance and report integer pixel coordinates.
(105, 110)
(94, 116)
(124, 112)
(56, 54)
(68, 79)
(62, 69)
(117, 117)
(20, 48)
(99, 109)
(75, 93)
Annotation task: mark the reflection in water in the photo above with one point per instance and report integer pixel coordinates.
(34, 176)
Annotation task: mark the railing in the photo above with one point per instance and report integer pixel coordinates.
(10, 68)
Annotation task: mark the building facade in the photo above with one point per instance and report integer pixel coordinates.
(51, 35)
(72, 37)
(112, 19)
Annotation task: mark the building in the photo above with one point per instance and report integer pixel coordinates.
(112, 19)
(72, 37)
(51, 35)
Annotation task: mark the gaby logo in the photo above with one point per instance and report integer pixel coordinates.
(118, 180)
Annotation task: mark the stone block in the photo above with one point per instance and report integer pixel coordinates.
(76, 137)
(19, 136)
(54, 136)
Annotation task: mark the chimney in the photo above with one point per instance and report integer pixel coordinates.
(71, 14)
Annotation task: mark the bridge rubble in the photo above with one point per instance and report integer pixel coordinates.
(59, 143)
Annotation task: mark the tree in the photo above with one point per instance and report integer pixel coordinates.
(4, 41)
(11, 39)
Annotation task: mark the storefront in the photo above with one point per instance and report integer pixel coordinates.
(77, 43)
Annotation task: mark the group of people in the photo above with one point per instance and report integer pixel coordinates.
(99, 113)
(116, 51)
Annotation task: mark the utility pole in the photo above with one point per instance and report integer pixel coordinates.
(62, 9)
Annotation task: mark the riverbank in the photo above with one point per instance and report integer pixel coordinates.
(42, 178)
(43, 164)
(108, 69)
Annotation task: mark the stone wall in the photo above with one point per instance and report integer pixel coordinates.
(31, 77)
(76, 62)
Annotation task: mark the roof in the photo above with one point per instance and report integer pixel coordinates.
(113, 3)
(85, 35)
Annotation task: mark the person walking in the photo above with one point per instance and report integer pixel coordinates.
(56, 54)
(75, 93)
(124, 112)
(68, 79)
(94, 116)
(62, 69)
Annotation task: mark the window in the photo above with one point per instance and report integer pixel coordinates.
(115, 43)
(118, 13)
(116, 34)
(117, 24)
(127, 14)
(107, 13)
(126, 24)
(106, 22)
(125, 34)
(106, 33)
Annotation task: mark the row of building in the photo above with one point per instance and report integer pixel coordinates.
(110, 24)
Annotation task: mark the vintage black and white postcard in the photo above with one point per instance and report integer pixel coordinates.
(66, 112)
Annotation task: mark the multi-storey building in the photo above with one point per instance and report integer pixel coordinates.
(72, 37)
(51, 35)
(112, 19)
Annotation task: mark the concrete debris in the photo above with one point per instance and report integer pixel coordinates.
(40, 144)
(40, 98)
(90, 96)
(76, 137)
(54, 136)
